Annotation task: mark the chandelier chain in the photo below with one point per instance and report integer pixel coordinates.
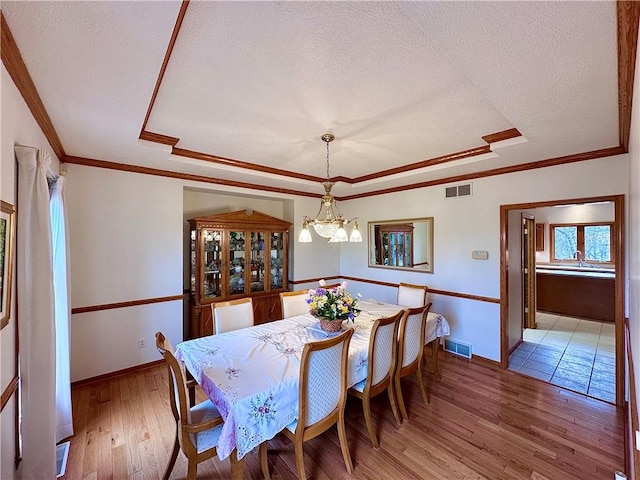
(328, 176)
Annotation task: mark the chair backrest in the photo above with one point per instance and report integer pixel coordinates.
(411, 335)
(382, 349)
(232, 315)
(411, 295)
(323, 379)
(177, 380)
(294, 303)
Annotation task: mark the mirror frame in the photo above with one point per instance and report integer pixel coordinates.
(371, 252)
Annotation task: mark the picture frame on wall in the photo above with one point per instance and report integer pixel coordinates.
(7, 236)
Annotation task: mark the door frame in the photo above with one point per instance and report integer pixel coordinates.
(619, 288)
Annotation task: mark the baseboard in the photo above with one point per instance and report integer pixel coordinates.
(118, 373)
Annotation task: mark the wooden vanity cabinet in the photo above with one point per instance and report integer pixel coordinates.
(234, 255)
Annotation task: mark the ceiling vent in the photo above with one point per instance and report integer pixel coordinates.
(458, 191)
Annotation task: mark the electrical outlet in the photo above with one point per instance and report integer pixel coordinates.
(142, 343)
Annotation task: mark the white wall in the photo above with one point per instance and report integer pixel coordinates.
(17, 127)
(464, 224)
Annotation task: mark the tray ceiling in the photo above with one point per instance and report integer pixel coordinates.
(258, 83)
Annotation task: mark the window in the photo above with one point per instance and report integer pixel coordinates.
(593, 241)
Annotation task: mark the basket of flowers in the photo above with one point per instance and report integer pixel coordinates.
(331, 306)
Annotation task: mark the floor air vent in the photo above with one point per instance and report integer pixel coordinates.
(458, 348)
(458, 191)
(62, 452)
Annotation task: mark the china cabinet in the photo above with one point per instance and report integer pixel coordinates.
(233, 255)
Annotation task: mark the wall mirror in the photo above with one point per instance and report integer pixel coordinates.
(402, 244)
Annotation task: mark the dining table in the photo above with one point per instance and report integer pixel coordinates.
(252, 374)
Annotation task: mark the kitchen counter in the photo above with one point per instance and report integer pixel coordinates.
(577, 272)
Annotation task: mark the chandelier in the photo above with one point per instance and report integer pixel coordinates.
(331, 225)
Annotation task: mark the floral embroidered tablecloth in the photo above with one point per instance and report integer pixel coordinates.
(252, 374)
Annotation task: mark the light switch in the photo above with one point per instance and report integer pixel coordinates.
(480, 255)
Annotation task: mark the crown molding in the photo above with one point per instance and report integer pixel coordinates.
(550, 162)
(124, 167)
(163, 68)
(628, 16)
(14, 64)
(578, 157)
(230, 162)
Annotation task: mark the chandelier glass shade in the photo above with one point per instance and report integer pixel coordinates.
(329, 222)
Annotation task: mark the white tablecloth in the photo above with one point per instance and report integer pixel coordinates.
(252, 375)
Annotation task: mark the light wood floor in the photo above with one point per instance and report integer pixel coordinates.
(481, 423)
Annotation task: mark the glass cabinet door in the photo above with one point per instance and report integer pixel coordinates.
(212, 263)
(192, 262)
(277, 259)
(236, 262)
(257, 258)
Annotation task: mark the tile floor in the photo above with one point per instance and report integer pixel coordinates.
(575, 354)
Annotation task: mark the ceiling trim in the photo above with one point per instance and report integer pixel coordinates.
(230, 162)
(158, 138)
(451, 157)
(163, 67)
(628, 13)
(577, 157)
(90, 162)
(550, 162)
(14, 64)
(502, 136)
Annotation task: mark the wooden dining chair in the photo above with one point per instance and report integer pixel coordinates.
(322, 397)
(410, 351)
(198, 427)
(411, 296)
(232, 315)
(294, 303)
(380, 367)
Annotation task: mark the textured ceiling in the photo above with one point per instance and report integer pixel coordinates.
(260, 82)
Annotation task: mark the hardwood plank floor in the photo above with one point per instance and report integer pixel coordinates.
(481, 424)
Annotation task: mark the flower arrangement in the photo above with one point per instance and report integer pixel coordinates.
(332, 303)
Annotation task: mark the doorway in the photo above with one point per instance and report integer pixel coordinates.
(512, 293)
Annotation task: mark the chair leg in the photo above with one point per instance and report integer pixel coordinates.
(174, 456)
(434, 357)
(425, 398)
(366, 408)
(297, 443)
(192, 469)
(403, 409)
(344, 446)
(391, 391)
(264, 463)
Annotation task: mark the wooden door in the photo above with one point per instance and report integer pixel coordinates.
(528, 271)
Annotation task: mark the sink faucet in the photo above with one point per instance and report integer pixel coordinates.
(578, 256)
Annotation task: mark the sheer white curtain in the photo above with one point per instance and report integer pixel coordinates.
(35, 316)
(64, 419)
